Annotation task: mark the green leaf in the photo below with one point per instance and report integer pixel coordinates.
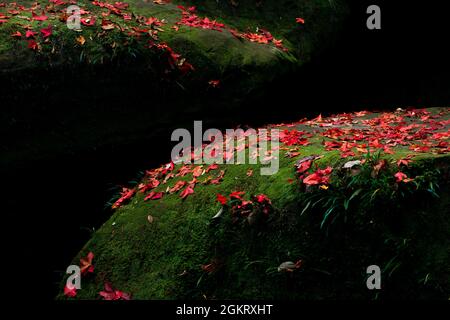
(347, 202)
(326, 215)
(306, 207)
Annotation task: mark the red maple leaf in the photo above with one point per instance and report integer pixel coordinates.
(125, 195)
(112, 294)
(404, 162)
(152, 184)
(184, 170)
(237, 195)
(197, 171)
(30, 34)
(186, 192)
(154, 196)
(70, 292)
(212, 167)
(42, 17)
(47, 32)
(304, 166)
(330, 145)
(262, 198)
(89, 21)
(222, 199)
(121, 5)
(318, 177)
(33, 45)
(86, 264)
(177, 187)
(401, 177)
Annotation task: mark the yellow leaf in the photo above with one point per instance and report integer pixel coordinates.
(81, 40)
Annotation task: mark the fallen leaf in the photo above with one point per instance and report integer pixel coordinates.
(180, 184)
(42, 17)
(86, 264)
(214, 83)
(107, 25)
(290, 266)
(47, 32)
(186, 192)
(222, 199)
(112, 294)
(30, 34)
(237, 195)
(351, 164)
(154, 196)
(70, 292)
(318, 177)
(81, 40)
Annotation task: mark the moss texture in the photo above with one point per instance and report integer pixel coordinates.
(217, 49)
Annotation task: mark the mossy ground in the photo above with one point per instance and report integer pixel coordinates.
(402, 227)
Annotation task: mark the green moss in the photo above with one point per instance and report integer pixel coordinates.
(220, 50)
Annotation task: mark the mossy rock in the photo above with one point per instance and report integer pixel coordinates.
(217, 49)
(337, 230)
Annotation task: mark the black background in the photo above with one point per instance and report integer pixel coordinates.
(406, 63)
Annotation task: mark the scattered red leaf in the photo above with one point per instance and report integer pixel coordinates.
(304, 166)
(214, 83)
(47, 32)
(125, 195)
(86, 264)
(186, 192)
(33, 45)
(30, 34)
(70, 292)
(222, 199)
(318, 177)
(112, 294)
(154, 196)
(41, 17)
(401, 177)
(403, 162)
(237, 195)
(177, 187)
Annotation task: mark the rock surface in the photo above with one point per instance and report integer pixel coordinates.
(328, 221)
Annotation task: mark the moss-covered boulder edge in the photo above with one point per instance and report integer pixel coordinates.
(375, 192)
